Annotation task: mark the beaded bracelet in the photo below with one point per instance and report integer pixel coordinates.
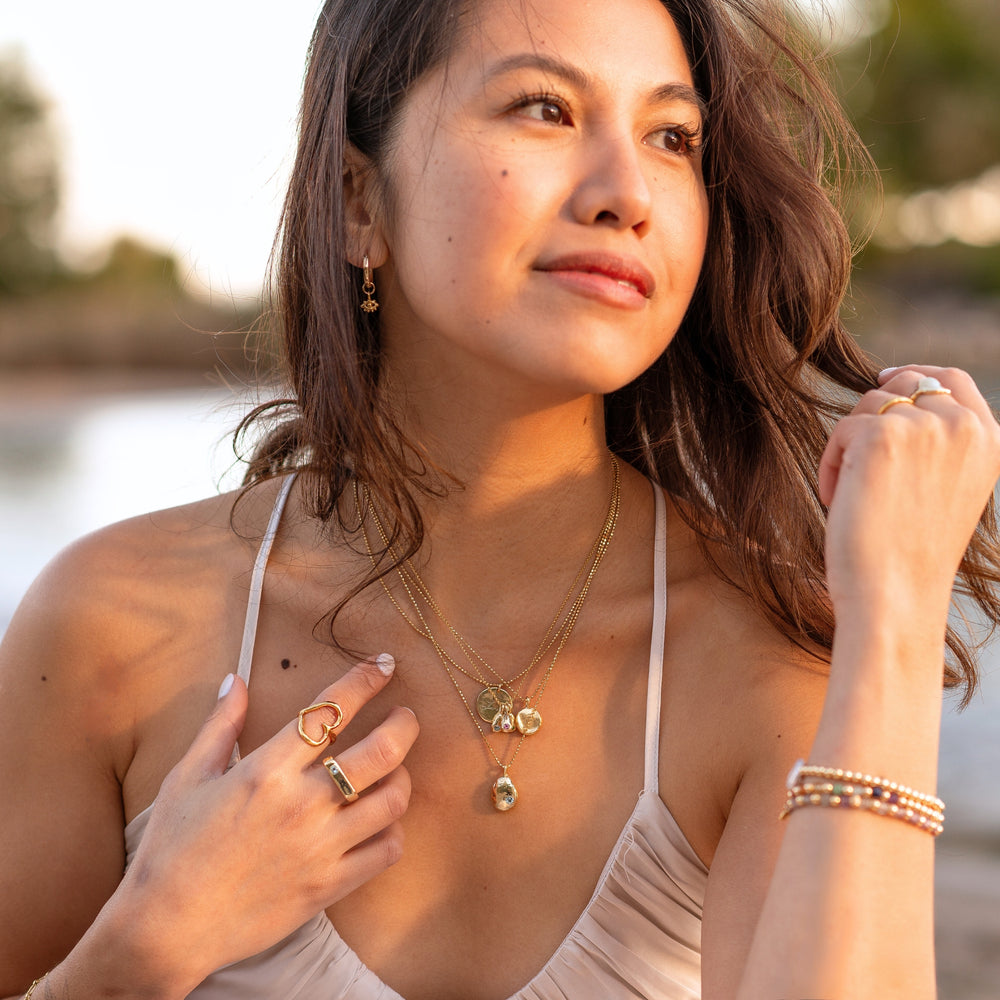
(855, 797)
(803, 770)
(855, 790)
(879, 796)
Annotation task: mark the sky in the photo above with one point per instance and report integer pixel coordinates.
(175, 121)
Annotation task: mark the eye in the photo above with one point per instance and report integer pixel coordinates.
(550, 112)
(544, 108)
(680, 139)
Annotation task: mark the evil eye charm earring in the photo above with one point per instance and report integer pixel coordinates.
(370, 304)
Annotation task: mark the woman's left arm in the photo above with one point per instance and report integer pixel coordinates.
(847, 910)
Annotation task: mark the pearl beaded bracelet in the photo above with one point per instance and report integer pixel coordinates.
(839, 788)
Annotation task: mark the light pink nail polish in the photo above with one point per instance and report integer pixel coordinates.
(386, 663)
(226, 686)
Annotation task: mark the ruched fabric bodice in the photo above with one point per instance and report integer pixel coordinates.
(638, 937)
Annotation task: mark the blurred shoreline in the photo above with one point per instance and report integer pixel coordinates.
(26, 391)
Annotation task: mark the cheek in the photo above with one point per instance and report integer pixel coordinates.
(491, 207)
(685, 223)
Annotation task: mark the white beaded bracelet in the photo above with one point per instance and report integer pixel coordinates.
(839, 788)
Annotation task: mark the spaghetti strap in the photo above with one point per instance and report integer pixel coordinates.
(651, 780)
(257, 582)
(256, 590)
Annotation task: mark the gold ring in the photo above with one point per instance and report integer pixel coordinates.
(329, 736)
(928, 386)
(340, 779)
(892, 401)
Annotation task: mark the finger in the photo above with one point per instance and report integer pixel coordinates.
(879, 402)
(374, 757)
(350, 693)
(382, 805)
(370, 858)
(212, 748)
(964, 391)
(829, 465)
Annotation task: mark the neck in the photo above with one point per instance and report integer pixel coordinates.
(533, 487)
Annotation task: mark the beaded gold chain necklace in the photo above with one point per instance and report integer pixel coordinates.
(496, 700)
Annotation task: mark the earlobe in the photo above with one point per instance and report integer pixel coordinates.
(361, 215)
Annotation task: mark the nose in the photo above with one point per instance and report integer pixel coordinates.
(613, 189)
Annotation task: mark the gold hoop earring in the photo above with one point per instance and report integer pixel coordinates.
(368, 287)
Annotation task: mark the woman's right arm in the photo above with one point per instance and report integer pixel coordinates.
(189, 902)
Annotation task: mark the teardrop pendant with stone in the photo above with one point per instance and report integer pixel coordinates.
(504, 793)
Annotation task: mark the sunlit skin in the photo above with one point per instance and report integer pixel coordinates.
(548, 215)
(537, 232)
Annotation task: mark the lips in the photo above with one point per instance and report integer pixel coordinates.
(624, 270)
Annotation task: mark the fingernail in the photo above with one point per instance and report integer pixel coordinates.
(226, 685)
(886, 371)
(386, 663)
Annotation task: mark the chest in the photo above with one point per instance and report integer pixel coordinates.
(482, 898)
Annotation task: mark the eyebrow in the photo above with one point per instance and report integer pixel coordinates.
(665, 93)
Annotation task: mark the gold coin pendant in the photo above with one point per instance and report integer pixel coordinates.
(529, 721)
(491, 700)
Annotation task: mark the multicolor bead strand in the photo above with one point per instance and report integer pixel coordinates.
(877, 799)
(837, 788)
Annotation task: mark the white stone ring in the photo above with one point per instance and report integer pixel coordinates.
(928, 386)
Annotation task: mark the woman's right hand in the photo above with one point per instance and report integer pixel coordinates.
(233, 861)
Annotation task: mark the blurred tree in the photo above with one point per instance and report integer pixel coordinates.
(29, 182)
(135, 264)
(922, 85)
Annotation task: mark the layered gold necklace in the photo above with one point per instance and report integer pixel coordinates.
(498, 696)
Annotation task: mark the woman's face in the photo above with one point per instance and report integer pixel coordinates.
(548, 213)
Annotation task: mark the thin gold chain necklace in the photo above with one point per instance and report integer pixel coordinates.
(504, 793)
(496, 700)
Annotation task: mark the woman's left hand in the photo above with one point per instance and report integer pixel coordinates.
(905, 489)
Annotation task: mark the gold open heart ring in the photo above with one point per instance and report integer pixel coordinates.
(329, 736)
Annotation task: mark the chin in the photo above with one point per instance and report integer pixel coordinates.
(597, 379)
(600, 373)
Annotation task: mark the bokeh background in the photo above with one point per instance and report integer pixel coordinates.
(143, 152)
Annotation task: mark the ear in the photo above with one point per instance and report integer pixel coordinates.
(362, 201)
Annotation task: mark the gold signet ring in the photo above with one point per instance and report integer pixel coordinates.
(929, 386)
(329, 736)
(893, 401)
(340, 779)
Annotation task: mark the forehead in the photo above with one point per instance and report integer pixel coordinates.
(622, 43)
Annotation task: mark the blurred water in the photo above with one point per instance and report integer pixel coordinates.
(91, 459)
(88, 460)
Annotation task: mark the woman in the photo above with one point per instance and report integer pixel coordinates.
(534, 256)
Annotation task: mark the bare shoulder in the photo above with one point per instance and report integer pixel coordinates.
(118, 590)
(97, 628)
(741, 699)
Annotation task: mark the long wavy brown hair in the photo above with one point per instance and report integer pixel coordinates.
(732, 419)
